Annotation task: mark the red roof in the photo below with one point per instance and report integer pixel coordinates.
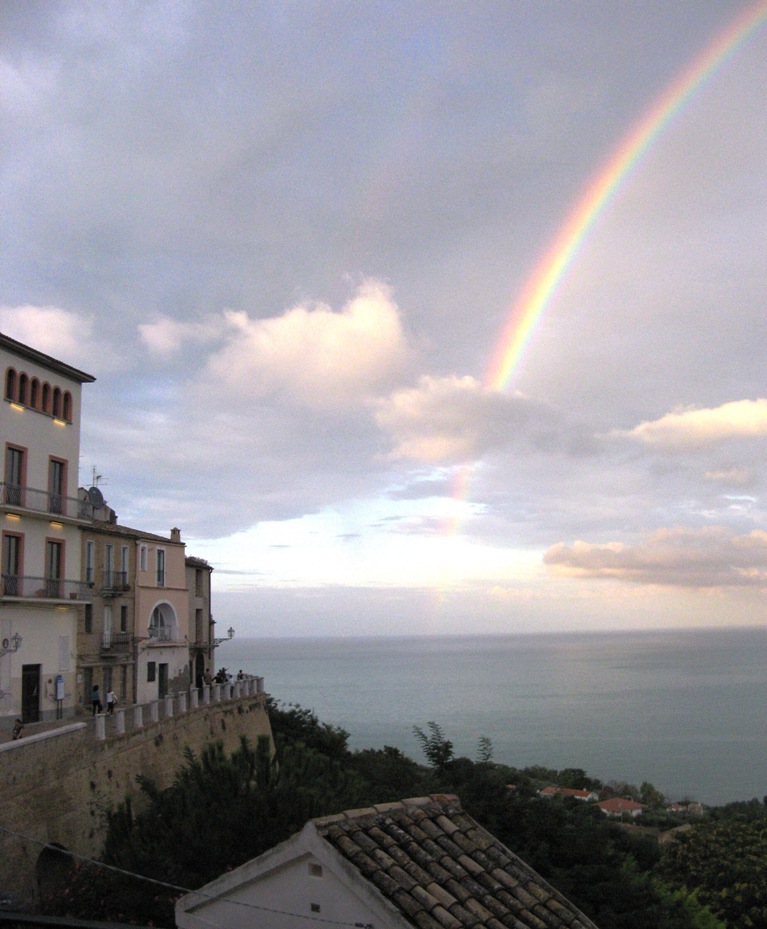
(620, 805)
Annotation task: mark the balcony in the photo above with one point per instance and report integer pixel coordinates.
(159, 634)
(24, 587)
(21, 499)
(115, 644)
(114, 583)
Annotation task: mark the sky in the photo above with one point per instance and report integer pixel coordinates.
(290, 240)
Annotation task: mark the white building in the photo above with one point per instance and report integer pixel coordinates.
(40, 518)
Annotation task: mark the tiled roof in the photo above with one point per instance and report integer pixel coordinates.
(442, 870)
(620, 805)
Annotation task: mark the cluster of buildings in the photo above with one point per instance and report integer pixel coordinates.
(83, 599)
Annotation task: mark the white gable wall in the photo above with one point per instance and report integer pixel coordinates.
(282, 890)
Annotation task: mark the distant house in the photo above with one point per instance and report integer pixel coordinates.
(417, 863)
(574, 792)
(618, 806)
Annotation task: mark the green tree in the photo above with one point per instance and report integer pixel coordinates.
(437, 748)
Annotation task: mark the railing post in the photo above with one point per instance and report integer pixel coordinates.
(216, 693)
(206, 693)
(182, 702)
(259, 685)
(236, 689)
(101, 732)
(169, 704)
(138, 716)
(194, 698)
(120, 721)
(154, 711)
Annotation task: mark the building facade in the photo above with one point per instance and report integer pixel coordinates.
(201, 624)
(42, 594)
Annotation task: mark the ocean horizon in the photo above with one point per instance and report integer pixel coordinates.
(683, 709)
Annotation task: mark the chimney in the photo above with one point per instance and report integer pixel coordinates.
(175, 535)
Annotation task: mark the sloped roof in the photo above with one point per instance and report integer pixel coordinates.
(620, 805)
(442, 870)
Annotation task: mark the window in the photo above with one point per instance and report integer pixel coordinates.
(87, 686)
(90, 562)
(14, 475)
(67, 410)
(109, 565)
(34, 394)
(123, 618)
(46, 397)
(106, 679)
(198, 625)
(124, 565)
(56, 485)
(151, 671)
(12, 557)
(23, 387)
(160, 567)
(123, 682)
(10, 384)
(64, 653)
(56, 401)
(88, 617)
(143, 558)
(198, 587)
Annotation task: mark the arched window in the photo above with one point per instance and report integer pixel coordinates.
(67, 411)
(10, 384)
(23, 386)
(34, 394)
(56, 401)
(46, 397)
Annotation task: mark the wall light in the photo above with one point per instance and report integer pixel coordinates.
(17, 406)
(56, 525)
(13, 516)
(59, 422)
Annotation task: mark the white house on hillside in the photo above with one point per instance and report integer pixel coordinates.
(418, 863)
(40, 519)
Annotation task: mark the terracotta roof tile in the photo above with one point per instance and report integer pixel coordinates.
(444, 871)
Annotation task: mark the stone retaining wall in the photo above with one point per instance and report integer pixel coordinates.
(56, 786)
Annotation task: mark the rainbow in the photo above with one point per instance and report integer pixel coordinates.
(542, 285)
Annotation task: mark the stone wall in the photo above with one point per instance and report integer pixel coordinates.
(55, 787)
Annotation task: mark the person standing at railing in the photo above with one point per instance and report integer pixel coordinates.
(111, 702)
(96, 700)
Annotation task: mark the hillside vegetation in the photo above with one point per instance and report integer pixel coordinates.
(223, 810)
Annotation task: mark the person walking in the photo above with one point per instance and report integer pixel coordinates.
(111, 702)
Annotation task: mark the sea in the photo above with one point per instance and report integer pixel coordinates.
(685, 710)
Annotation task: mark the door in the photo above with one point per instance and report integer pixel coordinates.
(163, 681)
(56, 486)
(14, 476)
(54, 563)
(30, 693)
(11, 565)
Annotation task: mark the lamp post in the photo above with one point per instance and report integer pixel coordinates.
(229, 635)
(12, 645)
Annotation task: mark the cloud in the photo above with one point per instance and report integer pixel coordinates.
(679, 557)
(312, 356)
(449, 420)
(696, 427)
(166, 337)
(60, 333)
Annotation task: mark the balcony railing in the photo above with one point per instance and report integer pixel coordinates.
(42, 501)
(46, 588)
(114, 582)
(115, 641)
(162, 634)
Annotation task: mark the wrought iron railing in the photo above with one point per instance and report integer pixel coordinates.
(115, 641)
(114, 580)
(162, 634)
(47, 588)
(43, 501)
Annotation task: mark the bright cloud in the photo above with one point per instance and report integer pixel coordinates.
(57, 332)
(312, 355)
(448, 420)
(680, 557)
(691, 428)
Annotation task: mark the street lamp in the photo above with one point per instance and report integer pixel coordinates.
(229, 635)
(12, 645)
